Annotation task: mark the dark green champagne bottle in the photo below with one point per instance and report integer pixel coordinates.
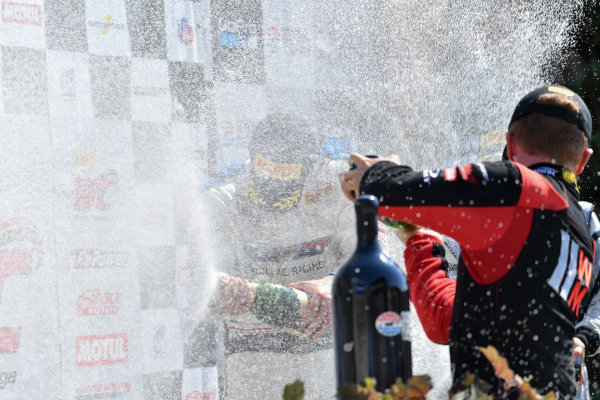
(371, 310)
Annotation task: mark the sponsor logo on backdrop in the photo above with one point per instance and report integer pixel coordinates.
(97, 302)
(109, 390)
(316, 195)
(197, 395)
(159, 340)
(85, 159)
(9, 340)
(226, 137)
(185, 31)
(226, 126)
(238, 34)
(97, 350)
(68, 88)
(154, 91)
(184, 275)
(90, 192)
(20, 248)
(97, 259)
(21, 13)
(273, 40)
(7, 378)
(288, 41)
(106, 25)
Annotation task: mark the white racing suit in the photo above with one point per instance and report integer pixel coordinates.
(304, 242)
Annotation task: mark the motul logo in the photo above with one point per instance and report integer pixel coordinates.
(89, 192)
(197, 395)
(95, 302)
(21, 13)
(9, 340)
(96, 350)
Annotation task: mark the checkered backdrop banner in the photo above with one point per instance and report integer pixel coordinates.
(99, 100)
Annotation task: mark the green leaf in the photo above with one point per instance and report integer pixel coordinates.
(294, 391)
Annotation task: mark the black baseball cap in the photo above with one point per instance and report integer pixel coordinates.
(529, 105)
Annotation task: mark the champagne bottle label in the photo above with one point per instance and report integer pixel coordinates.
(391, 324)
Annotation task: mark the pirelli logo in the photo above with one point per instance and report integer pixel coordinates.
(573, 273)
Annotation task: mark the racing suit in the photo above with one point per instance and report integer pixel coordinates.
(304, 242)
(526, 271)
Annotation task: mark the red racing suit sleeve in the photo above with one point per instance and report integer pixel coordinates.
(431, 290)
(486, 207)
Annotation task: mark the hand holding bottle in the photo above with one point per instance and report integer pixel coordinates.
(350, 180)
(318, 310)
(235, 296)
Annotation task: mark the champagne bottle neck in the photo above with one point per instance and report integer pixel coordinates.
(366, 221)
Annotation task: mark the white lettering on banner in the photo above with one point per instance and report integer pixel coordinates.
(93, 258)
(101, 350)
(149, 91)
(21, 13)
(237, 26)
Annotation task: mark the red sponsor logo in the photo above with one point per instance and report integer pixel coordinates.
(89, 192)
(95, 259)
(18, 261)
(466, 173)
(185, 32)
(21, 13)
(101, 350)
(226, 126)
(272, 33)
(9, 340)
(96, 302)
(197, 395)
(450, 174)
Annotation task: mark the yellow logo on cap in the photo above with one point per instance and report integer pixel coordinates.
(560, 90)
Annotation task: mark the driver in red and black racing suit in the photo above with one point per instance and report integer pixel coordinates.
(527, 262)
